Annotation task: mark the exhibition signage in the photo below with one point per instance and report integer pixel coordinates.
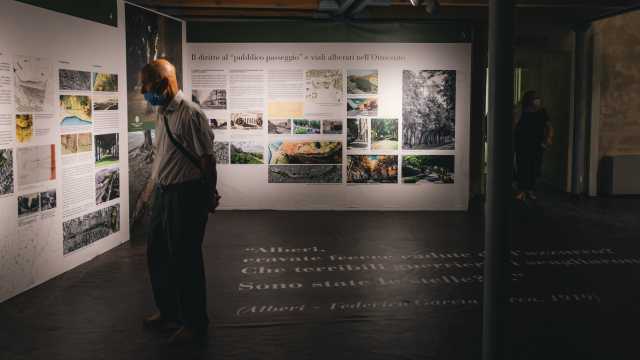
(337, 125)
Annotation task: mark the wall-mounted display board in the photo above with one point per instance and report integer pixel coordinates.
(63, 163)
(375, 126)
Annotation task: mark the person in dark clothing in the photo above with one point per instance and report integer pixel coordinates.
(533, 134)
(180, 208)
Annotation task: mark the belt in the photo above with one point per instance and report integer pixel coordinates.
(178, 186)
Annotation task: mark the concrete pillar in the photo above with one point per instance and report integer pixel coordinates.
(582, 103)
(500, 174)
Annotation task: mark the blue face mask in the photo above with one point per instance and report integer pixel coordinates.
(155, 99)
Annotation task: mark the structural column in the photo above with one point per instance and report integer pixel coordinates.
(581, 110)
(500, 174)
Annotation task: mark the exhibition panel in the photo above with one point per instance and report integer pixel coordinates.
(63, 164)
(370, 125)
(299, 125)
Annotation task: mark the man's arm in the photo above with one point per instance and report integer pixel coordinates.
(208, 165)
(143, 200)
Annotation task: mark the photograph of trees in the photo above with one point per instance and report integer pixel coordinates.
(357, 133)
(438, 169)
(428, 109)
(384, 134)
(372, 169)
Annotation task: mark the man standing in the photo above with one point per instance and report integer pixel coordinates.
(183, 174)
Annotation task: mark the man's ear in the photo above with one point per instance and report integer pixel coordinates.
(163, 86)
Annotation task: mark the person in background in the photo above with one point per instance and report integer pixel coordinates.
(183, 175)
(533, 135)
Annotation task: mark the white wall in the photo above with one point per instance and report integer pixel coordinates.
(247, 187)
(31, 247)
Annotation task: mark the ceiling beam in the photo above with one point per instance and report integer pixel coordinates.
(533, 3)
(344, 6)
(359, 6)
(532, 10)
(232, 4)
(200, 13)
(560, 16)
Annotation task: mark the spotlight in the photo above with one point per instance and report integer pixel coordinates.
(415, 2)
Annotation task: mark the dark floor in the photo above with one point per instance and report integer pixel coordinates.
(572, 304)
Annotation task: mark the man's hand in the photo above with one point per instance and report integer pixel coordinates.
(208, 164)
(142, 202)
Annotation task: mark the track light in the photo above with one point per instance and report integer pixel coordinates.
(432, 7)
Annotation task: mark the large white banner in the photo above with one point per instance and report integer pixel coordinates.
(63, 156)
(337, 125)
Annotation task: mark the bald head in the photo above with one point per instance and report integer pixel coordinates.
(159, 76)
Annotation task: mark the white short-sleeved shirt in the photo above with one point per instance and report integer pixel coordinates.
(189, 126)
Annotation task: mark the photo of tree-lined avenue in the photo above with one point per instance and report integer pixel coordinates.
(428, 109)
(384, 134)
(438, 169)
(372, 169)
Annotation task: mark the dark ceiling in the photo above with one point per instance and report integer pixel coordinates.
(530, 11)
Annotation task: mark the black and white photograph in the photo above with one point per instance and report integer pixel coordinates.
(105, 102)
(221, 150)
(107, 185)
(279, 126)
(436, 169)
(332, 126)
(305, 174)
(246, 120)
(218, 124)
(6, 171)
(210, 99)
(357, 133)
(87, 229)
(48, 200)
(362, 82)
(428, 109)
(149, 36)
(74, 80)
(28, 204)
(141, 156)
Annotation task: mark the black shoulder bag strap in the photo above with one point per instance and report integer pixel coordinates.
(182, 149)
(214, 197)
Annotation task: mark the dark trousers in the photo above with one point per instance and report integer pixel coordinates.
(528, 167)
(174, 253)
